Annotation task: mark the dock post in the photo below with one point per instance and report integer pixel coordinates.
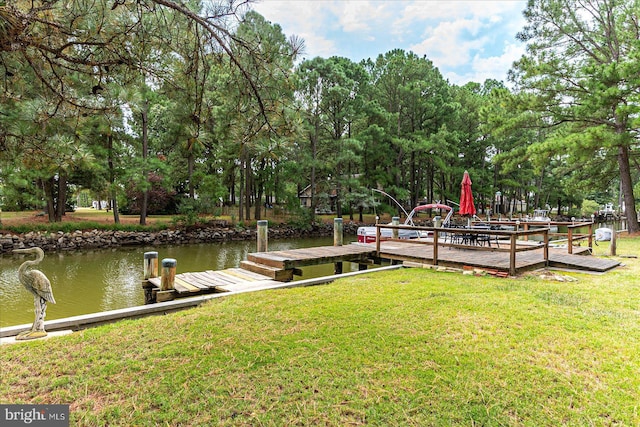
(435, 246)
(337, 232)
(337, 241)
(263, 235)
(570, 240)
(150, 265)
(150, 271)
(546, 248)
(395, 221)
(168, 274)
(593, 217)
(614, 236)
(512, 256)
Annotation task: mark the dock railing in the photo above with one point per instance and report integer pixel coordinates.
(439, 236)
(571, 236)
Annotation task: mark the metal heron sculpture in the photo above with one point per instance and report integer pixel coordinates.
(37, 283)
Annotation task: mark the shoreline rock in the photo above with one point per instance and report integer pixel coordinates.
(105, 239)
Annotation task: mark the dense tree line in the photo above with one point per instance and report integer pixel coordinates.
(198, 103)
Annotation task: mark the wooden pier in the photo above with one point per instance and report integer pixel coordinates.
(229, 280)
(494, 260)
(283, 264)
(511, 253)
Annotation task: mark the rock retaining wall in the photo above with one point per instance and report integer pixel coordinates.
(93, 239)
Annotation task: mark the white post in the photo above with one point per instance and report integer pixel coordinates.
(263, 235)
(150, 265)
(395, 221)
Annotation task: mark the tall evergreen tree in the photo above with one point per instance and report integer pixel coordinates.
(582, 66)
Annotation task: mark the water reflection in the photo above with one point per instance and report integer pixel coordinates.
(98, 280)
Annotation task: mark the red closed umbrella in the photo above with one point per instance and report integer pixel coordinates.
(466, 197)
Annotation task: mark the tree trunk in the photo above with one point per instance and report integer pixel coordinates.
(145, 149)
(259, 184)
(626, 185)
(247, 188)
(413, 178)
(47, 188)
(61, 199)
(314, 153)
(257, 211)
(191, 163)
(241, 187)
(112, 180)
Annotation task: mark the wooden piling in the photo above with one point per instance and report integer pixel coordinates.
(337, 232)
(168, 274)
(337, 241)
(150, 270)
(512, 255)
(614, 236)
(395, 221)
(263, 235)
(150, 265)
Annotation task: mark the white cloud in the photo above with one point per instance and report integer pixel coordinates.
(446, 10)
(497, 65)
(351, 19)
(446, 45)
(465, 39)
(493, 67)
(306, 19)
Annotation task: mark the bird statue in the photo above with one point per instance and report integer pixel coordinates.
(37, 283)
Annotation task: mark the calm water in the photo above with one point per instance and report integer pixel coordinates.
(93, 281)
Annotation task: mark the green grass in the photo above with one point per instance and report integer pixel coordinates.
(409, 347)
(70, 227)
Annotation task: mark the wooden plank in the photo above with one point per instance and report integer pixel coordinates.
(217, 278)
(281, 275)
(186, 277)
(582, 262)
(239, 275)
(195, 279)
(259, 284)
(256, 276)
(180, 288)
(184, 284)
(312, 256)
(269, 258)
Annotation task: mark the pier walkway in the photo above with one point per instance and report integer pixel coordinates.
(501, 251)
(229, 280)
(281, 265)
(495, 260)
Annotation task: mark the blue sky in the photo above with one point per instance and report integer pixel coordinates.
(468, 40)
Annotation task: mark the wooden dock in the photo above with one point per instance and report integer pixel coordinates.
(282, 265)
(495, 260)
(264, 269)
(229, 280)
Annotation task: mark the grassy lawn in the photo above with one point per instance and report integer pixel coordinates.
(409, 347)
(79, 216)
(84, 218)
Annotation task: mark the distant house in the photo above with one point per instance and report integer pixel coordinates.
(326, 200)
